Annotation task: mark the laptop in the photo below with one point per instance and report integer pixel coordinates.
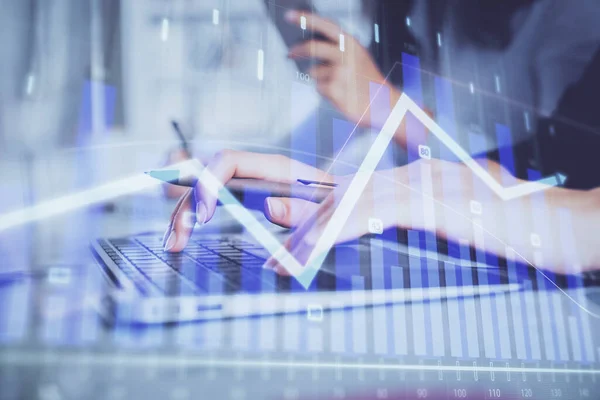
(221, 276)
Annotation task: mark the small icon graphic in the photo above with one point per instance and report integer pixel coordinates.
(424, 152)
(375, 226)
(536, 241)
(59, 276)
(314, 312)
(476, 207)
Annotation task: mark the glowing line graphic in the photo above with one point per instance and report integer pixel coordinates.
(405, 104)
(504, 193)
(74, 201)
(78, 200)
(19, 357)
(304, 275)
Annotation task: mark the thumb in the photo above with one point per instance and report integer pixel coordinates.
(288, 212)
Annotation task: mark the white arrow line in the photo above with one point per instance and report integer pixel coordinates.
(342, 213)
(105, 192)
(74, 201)
(304, 275)
(504, 193)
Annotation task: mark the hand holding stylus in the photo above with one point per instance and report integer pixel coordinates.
(198, 205)
(399, 198)
(345, 70)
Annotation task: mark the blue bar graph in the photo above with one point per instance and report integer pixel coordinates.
(303, 146)
(472, 337)
(380, 325)
(540, 226)
(291, 329)
(338, 329)
(489, 314)
(582, 346)
(456, 310)
(412, 86)
(315, 339)
(342, 130)
(454, 314)
(347, 264)
(420, 311)
(14, 316)
(446, 119)
(303, 142)
(89, 324)
(380, 104)
(359, 317)
(521, 334)
(380, 110)
(399, 314)
(519, 314)
(213, 331)
(432, 265)
(415, 136)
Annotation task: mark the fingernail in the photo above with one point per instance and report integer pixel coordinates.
(268, 264)
(291, 15)
(201, 213)
(275, 208)
(166, 235)
(171, 241)
(279, 270)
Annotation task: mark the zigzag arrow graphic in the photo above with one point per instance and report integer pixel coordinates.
(304, 274)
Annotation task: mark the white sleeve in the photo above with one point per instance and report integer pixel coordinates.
(569, 38)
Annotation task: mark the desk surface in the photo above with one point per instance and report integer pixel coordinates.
(53, 345)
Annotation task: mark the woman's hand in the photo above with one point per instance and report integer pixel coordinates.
(411, 197)
(198, 205)
(447, 199)
(430, 195)
(342, 77)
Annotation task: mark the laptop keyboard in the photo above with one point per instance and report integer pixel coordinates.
(207, 266)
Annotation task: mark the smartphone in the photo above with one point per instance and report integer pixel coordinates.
(293, 34)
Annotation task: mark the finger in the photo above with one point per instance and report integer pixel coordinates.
(326, 27)
(320, 73)
(173, 214)
(324, 229)
(324, 51)
(302, 242)
(182, 224)
(299, 246)
(288, 212)
(230, 163)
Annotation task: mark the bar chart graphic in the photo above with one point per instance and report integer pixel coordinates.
(306, 274)
(303, 274)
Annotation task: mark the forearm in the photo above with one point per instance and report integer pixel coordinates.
(552, 231)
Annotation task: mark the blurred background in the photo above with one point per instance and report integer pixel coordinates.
(88, 93)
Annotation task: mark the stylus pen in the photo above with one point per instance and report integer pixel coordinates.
(304, 189)
(183, 143)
